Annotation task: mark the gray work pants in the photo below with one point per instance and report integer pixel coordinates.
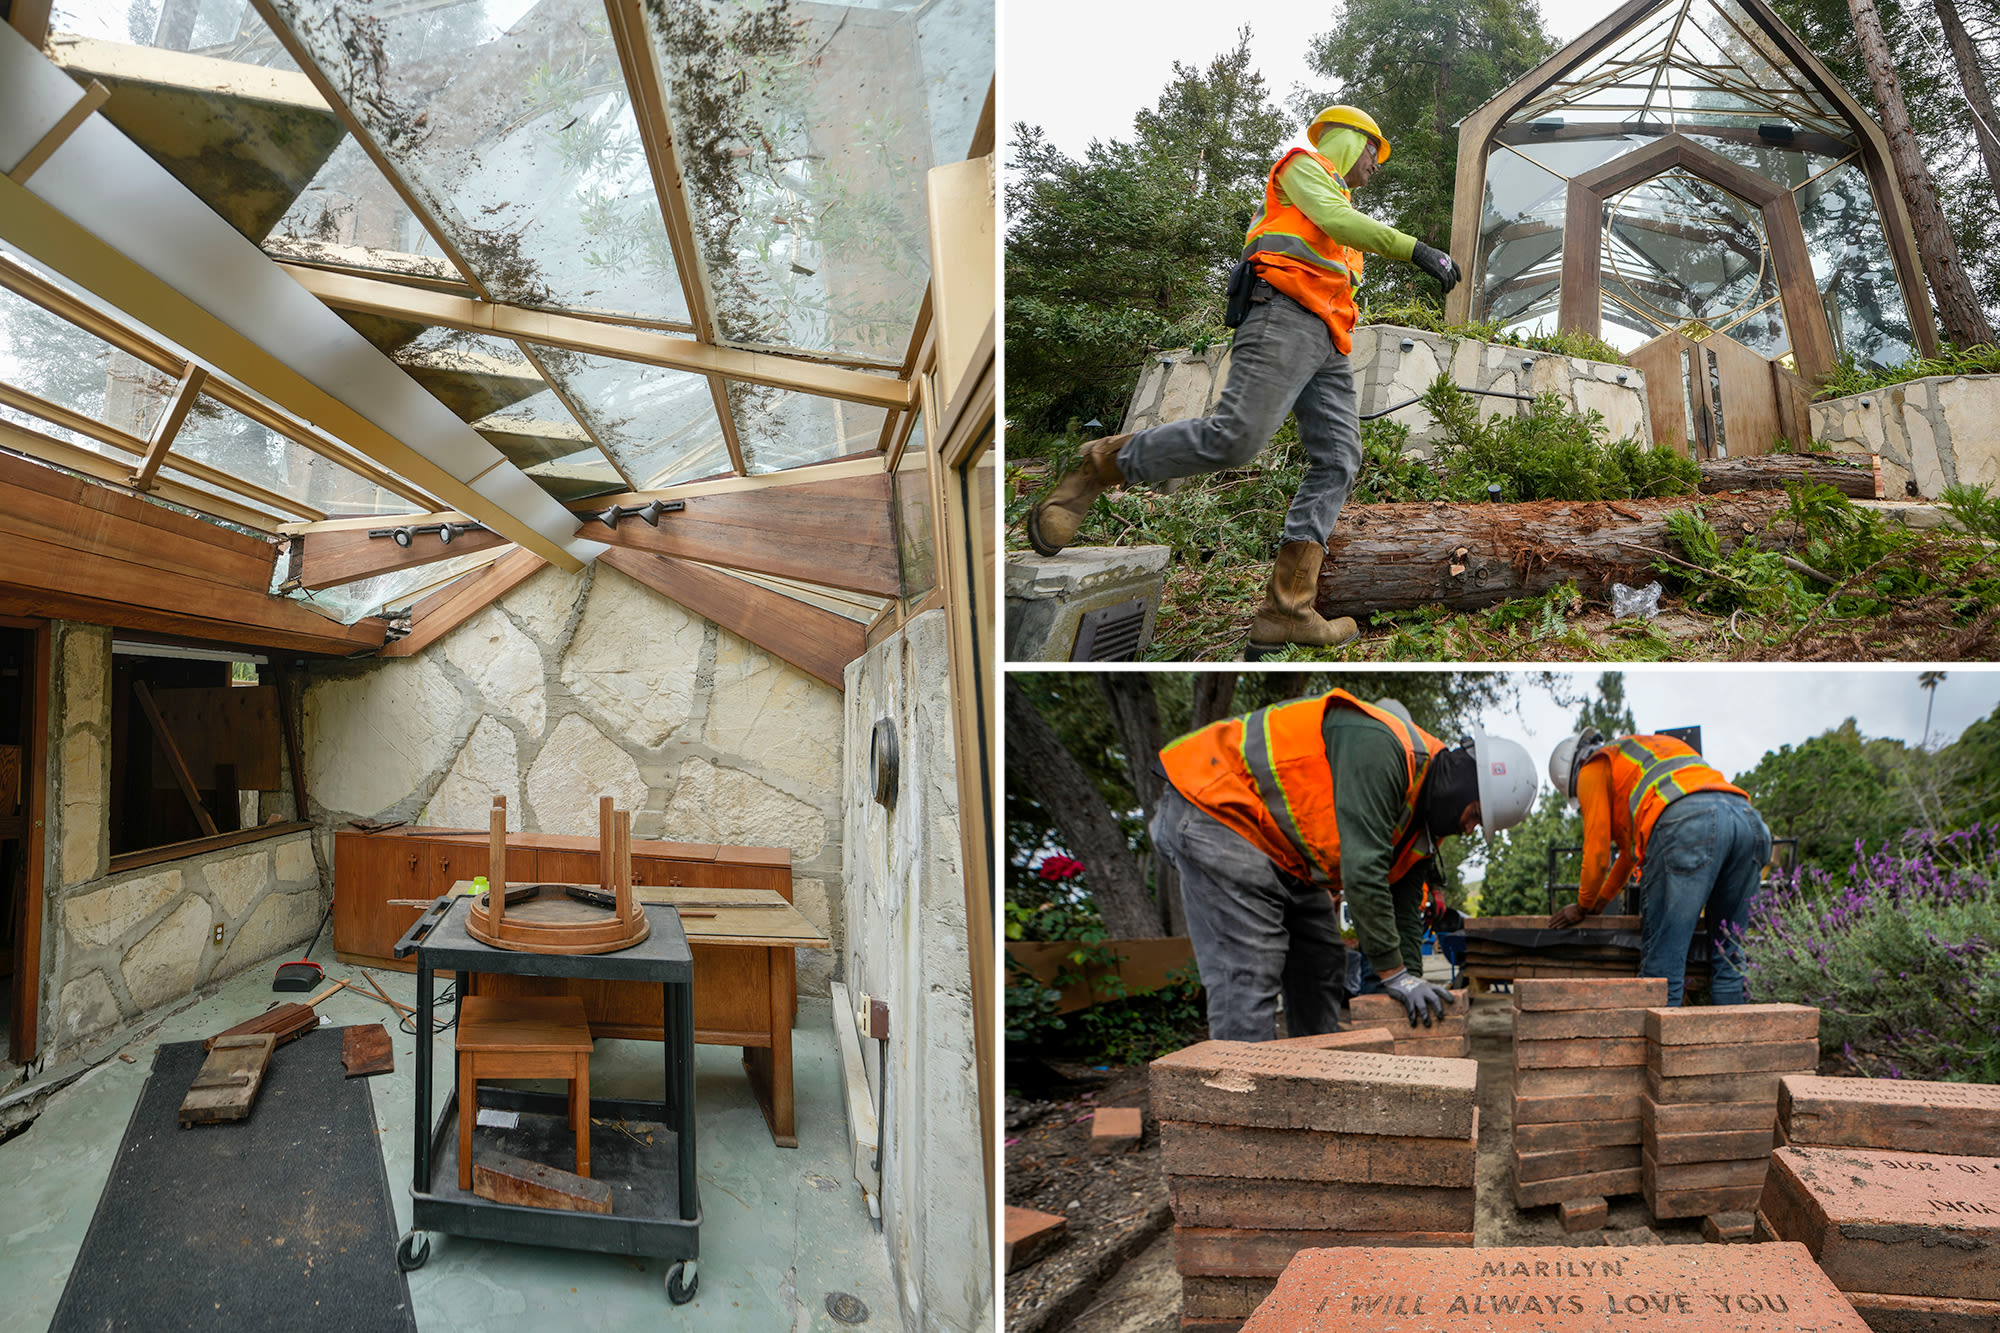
(1256, 933)
(1283, 360)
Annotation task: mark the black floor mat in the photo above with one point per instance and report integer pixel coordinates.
(280, 1221)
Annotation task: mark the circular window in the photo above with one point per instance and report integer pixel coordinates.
(1681, 248)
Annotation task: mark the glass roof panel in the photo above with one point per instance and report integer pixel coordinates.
(1853, 270)
(172, 473)
(804, 133)
(1683, 248)
(224, 29)
(1789, 167)
(232, 443)
(781, 429)
(658, 425)
(510, 122)
(1573, 157)
(54, 359)
(352, 217)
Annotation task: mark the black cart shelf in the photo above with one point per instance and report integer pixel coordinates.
(655, 1202)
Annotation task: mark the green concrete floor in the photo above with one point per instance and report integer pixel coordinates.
(782, 1228)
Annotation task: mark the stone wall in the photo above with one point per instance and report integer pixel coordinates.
(116, 946)
(1180, 385)
(1937, 431)
(577, 685)
(905, 905)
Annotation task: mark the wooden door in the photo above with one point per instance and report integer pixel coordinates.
(1715, 398)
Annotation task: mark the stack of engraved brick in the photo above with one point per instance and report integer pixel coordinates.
(1447, 1038)
(1579, 1077)
(1712, 1100)
(1278, 1147)
(1894, 1185)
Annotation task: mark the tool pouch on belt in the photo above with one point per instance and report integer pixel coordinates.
(1242, 281)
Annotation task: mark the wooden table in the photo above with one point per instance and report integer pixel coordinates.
(743, 941)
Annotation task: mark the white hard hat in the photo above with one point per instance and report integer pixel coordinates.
(1569, 756)
(1396, 706)
(1507, 781)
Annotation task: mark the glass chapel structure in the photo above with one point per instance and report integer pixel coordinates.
(1684, 170)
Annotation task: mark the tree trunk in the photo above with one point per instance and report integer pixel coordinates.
(1966, 57)
(1037, 760)
(1853, 475)
(1964, 322)
(1394, 557)
(1135, 714)
(1213, 693)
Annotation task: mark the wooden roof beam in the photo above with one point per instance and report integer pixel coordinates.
(448, 608)
(327, 559)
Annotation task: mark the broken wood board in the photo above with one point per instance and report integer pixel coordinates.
(282, 1021)
(1396, 557)
(226, 1087)
(366, 1051)
(506, 1179)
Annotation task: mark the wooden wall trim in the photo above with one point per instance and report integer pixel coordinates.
(328, 559)
(840, 533)
(24, 1035)
(174, 851)
(817, 642)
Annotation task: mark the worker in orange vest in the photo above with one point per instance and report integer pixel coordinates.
(1269, 816)
(1294, 290)
(1698, 843)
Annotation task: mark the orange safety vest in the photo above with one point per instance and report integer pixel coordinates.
(1649, 773)
(1302, 261)
(1267, 777)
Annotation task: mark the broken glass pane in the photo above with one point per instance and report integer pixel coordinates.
(223, 29)
(510, 123)
(915, 548)
(781, 429)
(349, 602)
(804, 132)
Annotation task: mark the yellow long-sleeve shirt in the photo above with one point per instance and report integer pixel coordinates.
(1306, 184)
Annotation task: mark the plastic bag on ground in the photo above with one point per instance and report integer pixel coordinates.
(1641, 602)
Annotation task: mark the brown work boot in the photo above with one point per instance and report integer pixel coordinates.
(1052, 524)
(1287, 615)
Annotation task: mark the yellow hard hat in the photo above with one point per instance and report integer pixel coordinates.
(1354, 118)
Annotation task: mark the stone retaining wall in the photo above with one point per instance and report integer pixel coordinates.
(1184, 384)
(576, 685)
(1937, 431)
(116, 946)
(905, 902)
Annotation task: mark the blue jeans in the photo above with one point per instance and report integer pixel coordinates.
(1707, 852)
(1283, 360)
(1256, 933)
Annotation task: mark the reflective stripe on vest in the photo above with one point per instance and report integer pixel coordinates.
(1655, 773)
(1280, 243)
(1264, 778)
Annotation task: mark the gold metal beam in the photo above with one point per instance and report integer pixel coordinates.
(32, 286)
(94, 96)
(52, 238)
(168, 426)
(856, 465)
(346, 291)
(30, 18)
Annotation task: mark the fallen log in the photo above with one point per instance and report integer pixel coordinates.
(1857, 476)
(1395, 557)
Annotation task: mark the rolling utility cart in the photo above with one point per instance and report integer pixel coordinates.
(656, 1210)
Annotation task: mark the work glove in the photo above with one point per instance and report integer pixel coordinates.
(1436, 263)
(1420, 997)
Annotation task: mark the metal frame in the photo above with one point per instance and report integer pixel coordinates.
(439, 940)
(1480, 131)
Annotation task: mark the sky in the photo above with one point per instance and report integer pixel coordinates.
(1080, 71)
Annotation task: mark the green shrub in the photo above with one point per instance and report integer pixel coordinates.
(1848, 377)
(1901, 954)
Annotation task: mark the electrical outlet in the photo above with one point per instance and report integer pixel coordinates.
(218, 934)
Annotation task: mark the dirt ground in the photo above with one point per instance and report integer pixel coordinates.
(1114, 1272)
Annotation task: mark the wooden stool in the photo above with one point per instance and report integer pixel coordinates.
(530, 1036)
